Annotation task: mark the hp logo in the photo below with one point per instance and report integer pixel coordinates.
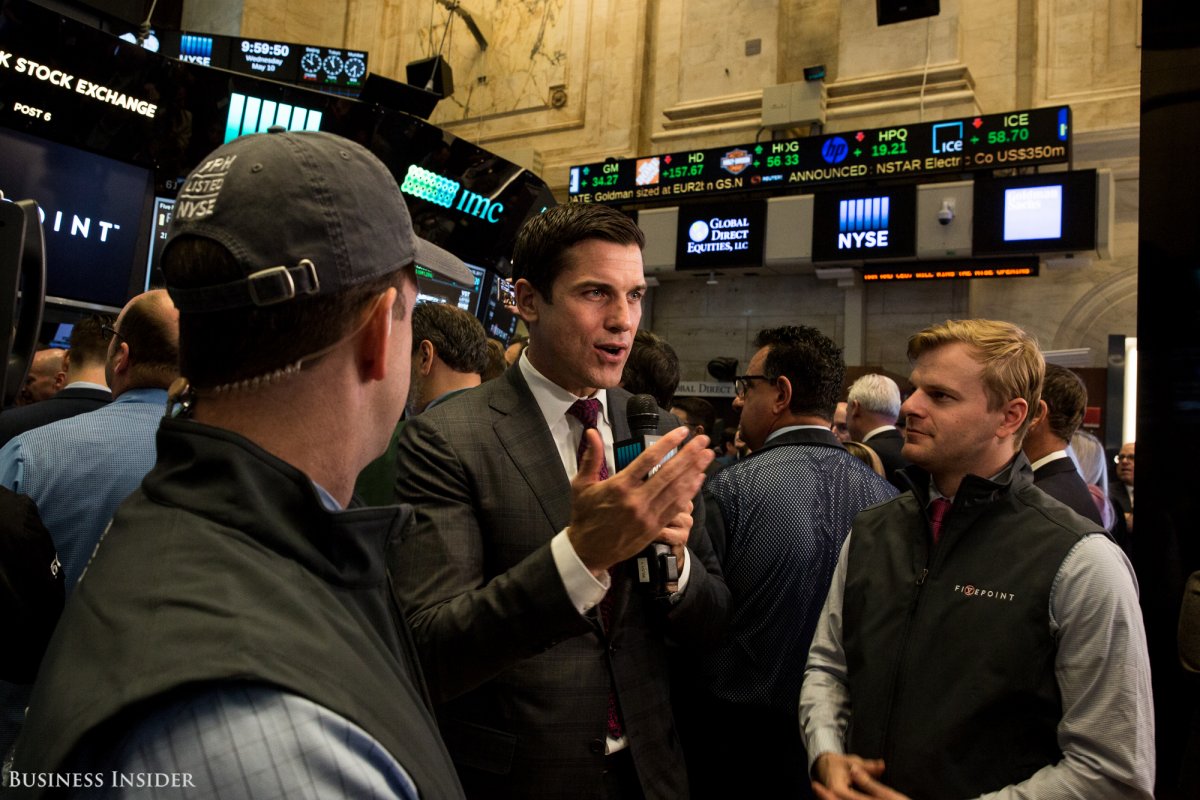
(835, 150)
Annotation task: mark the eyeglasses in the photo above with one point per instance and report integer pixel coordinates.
(1119, 457)
(110, 332)
(742, 382)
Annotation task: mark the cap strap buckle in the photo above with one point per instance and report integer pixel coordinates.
(279, 284)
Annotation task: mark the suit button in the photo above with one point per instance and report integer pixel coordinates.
(597, 746)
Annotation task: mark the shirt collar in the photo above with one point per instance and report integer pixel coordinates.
(1055, 456)
(789, 428)
(552, 399)
(86, 385)
(878, 431)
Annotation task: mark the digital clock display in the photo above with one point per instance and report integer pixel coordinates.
(971, 144)
(279, 61)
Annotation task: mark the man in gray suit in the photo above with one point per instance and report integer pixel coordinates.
(547, 659)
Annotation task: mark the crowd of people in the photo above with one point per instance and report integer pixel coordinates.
(367, 552)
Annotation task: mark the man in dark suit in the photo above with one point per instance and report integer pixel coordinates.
(1058, 416)
(547, 659)
(872, 408)
(85, 387)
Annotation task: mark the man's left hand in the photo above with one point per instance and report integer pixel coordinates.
(676, 534)
(862, 787)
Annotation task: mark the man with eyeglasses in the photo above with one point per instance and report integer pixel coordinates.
(78, 470)
(1121, 490)
(781, 515)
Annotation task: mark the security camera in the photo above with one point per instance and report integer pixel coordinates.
(946, 212)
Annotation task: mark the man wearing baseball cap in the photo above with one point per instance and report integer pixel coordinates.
(235, 631)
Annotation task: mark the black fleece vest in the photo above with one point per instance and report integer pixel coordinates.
(224, 566)
(949, 652)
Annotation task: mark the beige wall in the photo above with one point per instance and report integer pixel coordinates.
(571, 81)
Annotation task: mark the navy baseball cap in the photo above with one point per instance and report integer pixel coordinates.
(304, 214)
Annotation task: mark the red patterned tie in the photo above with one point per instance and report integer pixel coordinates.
(587, 412)
(938, 510)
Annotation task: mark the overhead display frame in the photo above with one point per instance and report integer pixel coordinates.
(986, 142)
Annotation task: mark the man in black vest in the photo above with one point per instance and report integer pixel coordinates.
(235, 631)
(977, 637)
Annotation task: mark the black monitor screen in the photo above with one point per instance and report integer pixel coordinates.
(95, 214)
(1054, 212)
(435, 289)
(496, 311)
(715, 235)
(864, 225)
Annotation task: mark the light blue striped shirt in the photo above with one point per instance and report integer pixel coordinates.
(78, 470)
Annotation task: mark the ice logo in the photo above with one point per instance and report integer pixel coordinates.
(699, 231)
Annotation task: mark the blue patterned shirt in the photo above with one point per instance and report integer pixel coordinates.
(78, 470)
(786, 511)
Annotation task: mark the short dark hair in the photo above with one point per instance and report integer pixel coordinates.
(217, 348)
(699, 412)
(89, 342)
(153, 343)
(458, 337)
(810, 361)
(539, 255)
(652, 368)
(496, 363)
(1066, 401)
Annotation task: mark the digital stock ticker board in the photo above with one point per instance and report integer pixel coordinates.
(985, 142)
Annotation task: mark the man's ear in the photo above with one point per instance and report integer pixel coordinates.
(375, 341)
(528, 300)
(783, 395)
(1040, 416)
(1015, 411)
(121, 359)
(425, 353)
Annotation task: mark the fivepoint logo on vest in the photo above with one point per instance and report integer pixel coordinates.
(863, 222)
(977, 593)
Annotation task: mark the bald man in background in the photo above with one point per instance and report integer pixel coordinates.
(45, 376)
(78, 470)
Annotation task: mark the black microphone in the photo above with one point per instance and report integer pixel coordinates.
(656, 565)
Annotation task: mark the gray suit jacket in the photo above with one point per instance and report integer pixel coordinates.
(521, 677)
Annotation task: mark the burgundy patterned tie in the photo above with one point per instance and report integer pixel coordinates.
(587, 412)
(938, 510)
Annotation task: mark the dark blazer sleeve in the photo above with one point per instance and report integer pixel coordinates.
(470, 619)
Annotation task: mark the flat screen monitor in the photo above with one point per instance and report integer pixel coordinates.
(865, 225)
(1053, 212)
(715, 235)
(95, 217)
(495, 312)
(436, 289)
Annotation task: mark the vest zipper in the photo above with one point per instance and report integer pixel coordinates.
(900, 661)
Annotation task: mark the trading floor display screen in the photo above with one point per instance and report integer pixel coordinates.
(985, 142)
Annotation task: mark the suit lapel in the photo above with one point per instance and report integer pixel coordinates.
(522, 432)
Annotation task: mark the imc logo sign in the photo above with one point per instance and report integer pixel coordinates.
(863, 223)
(449, 193)
(249, 114)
